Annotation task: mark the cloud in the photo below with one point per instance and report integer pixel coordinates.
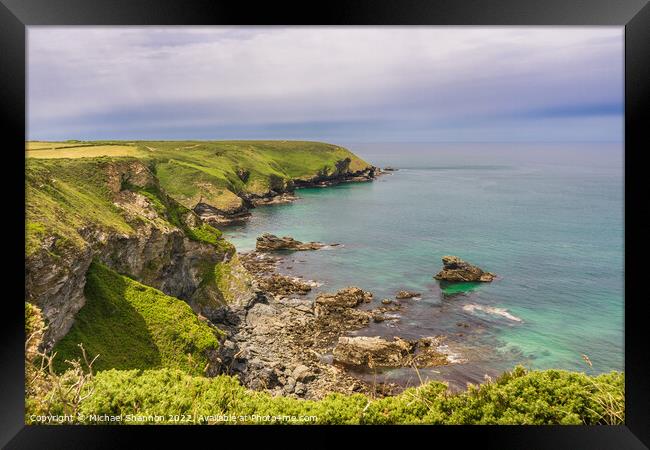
(316, 82)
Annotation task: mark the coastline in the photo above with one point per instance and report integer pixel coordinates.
(280, 195)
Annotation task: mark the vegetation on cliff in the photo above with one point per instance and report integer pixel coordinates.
(218, 173)
(133, 326)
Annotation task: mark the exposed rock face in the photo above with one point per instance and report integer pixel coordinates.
(278, 199)
(216, 217)
(56, 284)
(155, 253)
(376, 352)
(341, 174)
(407, 294)
(269, 242)
(455, 269)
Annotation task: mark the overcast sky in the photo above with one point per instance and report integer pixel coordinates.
(359, 84)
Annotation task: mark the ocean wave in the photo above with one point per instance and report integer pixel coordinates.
(492, 310)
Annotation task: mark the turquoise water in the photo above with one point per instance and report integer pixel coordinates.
(546, 218)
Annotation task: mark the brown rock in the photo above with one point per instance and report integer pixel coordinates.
(269, 242)
(345, 298)
(456, 270)
(407, 294)
(373, 351)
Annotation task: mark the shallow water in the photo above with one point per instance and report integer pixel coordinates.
(546, 218)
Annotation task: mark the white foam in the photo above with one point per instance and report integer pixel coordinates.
(452, 357)
(492, 310)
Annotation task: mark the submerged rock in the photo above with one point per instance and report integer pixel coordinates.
(407, 294)
(269, 242)
(457, 270)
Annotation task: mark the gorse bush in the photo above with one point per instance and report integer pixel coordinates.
(517, 397)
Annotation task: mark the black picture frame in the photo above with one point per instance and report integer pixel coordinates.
(634, 15)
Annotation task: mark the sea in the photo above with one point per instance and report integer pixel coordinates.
(546, 218)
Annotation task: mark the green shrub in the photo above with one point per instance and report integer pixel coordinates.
(517, 397)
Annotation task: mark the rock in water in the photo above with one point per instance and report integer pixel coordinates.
(269, 242)
(455, 269)
(407, 294)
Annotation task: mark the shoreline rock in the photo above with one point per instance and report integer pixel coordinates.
(401, 295)
(456, 270)
(270, 242)
(376, 352)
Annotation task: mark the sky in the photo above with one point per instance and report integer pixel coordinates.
(351, 84)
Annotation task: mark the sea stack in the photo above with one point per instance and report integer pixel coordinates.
(456, 270)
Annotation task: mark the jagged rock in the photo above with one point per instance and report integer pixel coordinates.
(455, 269)
(373, 351)
(278, 199)
(407, 294)
(345, 298)
(243, 174)
(387, 301)
(269, 242)
(283, 285)
(218, 217)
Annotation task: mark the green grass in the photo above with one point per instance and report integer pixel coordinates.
(64, 195)
(517, 397)
(57, 150)
(133, 326)
(207, 171)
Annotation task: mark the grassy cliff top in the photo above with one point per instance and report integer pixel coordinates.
(63, 196)
(212, 172)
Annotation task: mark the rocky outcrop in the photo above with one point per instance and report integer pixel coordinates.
(456, 270)
(155, 252)
(407, 294)
(269, 243)
(283, 285)
(345, 298)
(373, 351)
(278, 199)
(218, 217)
(377, 352)
(341, 174)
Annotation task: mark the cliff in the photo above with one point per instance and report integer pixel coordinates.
(147, 215)
(115, 211)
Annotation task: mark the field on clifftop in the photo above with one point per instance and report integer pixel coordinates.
(212, 172)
